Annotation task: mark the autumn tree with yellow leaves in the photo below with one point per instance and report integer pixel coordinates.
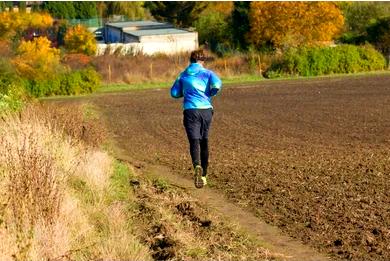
(79, 40)
(291, 24)
(12, 23)
(36, 59)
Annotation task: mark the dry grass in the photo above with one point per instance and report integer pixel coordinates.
(35, 164)
(43, 215)
(165, 68)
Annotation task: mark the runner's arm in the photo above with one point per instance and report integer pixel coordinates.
(177, 88)
(215, 84)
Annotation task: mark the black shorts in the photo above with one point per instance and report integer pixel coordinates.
(197, 123)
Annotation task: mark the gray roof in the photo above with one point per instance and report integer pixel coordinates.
(137, 24)
(155, 32)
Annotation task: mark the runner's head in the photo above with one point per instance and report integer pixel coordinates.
(197, 56)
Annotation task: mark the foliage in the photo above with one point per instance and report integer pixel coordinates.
(72, 83)
(313, 61)
(60, 9)
(12, 23)
(37, 60)
(132, 10)
(379, 35)
(214, 29)
(79, 40)
(76, 61)
(71, 10)
(359, 15)
(180, 13)
(22, 6)
(287, 24)
(11, 88)
(240, 23)
(85, 9)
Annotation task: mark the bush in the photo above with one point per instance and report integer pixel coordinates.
(79, 82)
(79, 40)
(72, 83)
(12, 92)
(316, 61)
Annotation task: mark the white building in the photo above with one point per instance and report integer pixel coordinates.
(147, 37)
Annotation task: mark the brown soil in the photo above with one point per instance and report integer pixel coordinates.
(311, 157)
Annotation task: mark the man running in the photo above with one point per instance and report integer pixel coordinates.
(197, 85)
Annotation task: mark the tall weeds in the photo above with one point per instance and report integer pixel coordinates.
(35, 163)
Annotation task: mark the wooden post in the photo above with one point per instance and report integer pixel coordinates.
(109, 73)
(151, 70)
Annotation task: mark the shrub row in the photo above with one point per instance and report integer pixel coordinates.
(72, 83)
(314, 61)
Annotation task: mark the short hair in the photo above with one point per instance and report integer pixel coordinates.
(197, 55)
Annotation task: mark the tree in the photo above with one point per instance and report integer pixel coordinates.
(240, 23)
(85, 9)
(12, 23)
(214, 26)
(37, 60)
(79, 40)
(2, 6)
(379, 35)
(132, 10)
(63, 9)
(180, 13)
(287, 24)
(359, 15)
(22, 6)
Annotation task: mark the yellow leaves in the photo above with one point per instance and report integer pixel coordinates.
(37, 59)
(79, 40)
(12, 22)
(287, 24)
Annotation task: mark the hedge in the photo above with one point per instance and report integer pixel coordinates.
(72, 83)
(314, 61)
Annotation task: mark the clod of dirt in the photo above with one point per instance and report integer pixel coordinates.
(162, 245)
(135, 183)
(338, 242)
(186, 209)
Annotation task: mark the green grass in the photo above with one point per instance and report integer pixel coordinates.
(119, 183)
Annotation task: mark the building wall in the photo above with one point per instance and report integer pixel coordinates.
(113, 35)
(169, 44)
(149, 45)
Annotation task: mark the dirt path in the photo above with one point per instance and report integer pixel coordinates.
(274, 240)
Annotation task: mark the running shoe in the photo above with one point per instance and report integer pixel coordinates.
(204, 179)
(198, 177)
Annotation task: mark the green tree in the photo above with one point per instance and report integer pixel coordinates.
(240, 23)
(214, 26)
(180, 13)
(359, 15)
(35, 7)
(132, 10)
(85, 9)
(379, 35)
(2, 6)
(63, 10)
(22, 6)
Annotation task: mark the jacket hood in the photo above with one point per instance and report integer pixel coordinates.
(193, 68)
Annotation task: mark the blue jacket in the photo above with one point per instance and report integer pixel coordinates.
(197, 85)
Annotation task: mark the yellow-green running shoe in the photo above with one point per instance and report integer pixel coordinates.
(198, 177)
(204, 179)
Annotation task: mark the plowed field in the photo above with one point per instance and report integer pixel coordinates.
(309, 156)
